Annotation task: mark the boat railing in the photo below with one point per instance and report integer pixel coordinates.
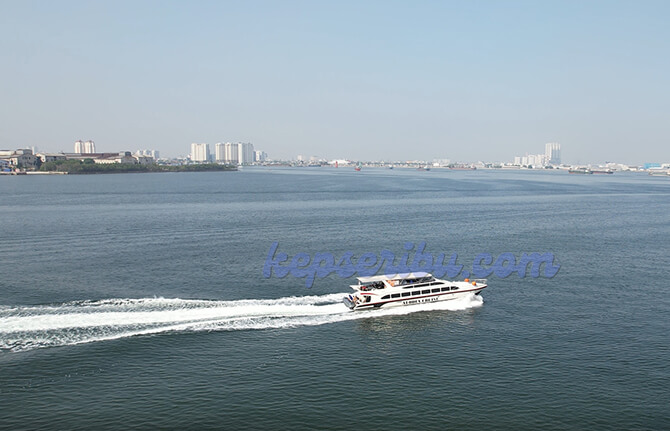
(480, 281)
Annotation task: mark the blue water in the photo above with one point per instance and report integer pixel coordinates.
(139, 301)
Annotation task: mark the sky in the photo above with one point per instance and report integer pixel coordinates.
(363, 80)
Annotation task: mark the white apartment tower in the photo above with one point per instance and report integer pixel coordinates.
(552, 153)
(219, 152)
(148, 153)
(199, 152)
(260, 156)
(89, 147)
(81, 147)
(231, 154)
(246, 153)
(234, 154)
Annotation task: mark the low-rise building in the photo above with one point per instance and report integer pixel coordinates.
(51, 157)
(19, 159)
(144, 160)
(121, 157)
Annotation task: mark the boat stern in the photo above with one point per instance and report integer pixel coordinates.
(349, 302)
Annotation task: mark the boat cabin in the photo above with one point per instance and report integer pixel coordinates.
(393, 280)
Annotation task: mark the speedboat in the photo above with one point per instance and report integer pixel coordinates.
(407, 289)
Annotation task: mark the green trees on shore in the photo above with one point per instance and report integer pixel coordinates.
(87, 166)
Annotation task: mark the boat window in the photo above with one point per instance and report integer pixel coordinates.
(414, 286)
(385, 297)
(436, 290)
(445, 289)
(395, 295)
(423, 292)
(405, 294)
(416, 292)
(454, 287)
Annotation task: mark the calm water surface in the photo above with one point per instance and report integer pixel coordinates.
(139, 301)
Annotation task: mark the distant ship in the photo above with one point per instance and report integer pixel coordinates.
(423, 168)
(580, 171)
(603, 171)
(358, 168)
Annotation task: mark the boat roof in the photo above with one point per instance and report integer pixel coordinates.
(393, 277)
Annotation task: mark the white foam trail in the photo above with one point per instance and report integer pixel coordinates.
(25, 328)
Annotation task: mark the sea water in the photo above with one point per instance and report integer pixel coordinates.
(139, 300)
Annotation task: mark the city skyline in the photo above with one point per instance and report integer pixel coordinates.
(245, 153)
(455, 80)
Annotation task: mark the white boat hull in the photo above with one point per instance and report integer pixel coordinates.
(413, 294)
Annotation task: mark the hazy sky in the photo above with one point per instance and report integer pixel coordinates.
(464, 80)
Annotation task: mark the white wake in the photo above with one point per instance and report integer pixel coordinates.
(25, 328)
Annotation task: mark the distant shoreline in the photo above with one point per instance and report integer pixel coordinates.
(76, 167)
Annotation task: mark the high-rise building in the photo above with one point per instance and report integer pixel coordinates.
(235, 154)
(199, 152)
(231, 154)
(245, 153)
(89, 147)
(552, 153)
(148, 153)
(537, 160)
(260, 156)
(220, 152)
